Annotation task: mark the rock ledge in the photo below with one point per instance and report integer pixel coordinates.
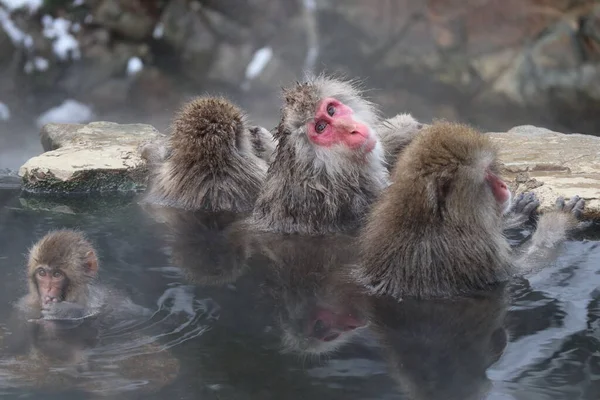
(551, 164)
(100, 156)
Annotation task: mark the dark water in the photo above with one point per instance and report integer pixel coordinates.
(238, 317)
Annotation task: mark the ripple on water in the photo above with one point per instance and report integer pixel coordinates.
(131, 355)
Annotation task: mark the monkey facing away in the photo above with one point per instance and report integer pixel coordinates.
(209, 162)
(438, 230)
(328, 165)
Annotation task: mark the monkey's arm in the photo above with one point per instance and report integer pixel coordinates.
(263, 143)
(553, 229)
(396, 133)
(522, 210)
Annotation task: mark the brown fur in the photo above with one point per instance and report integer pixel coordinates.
(313, 190)
(440, 349)
(210, 164)
(437, 231)
(73, 253)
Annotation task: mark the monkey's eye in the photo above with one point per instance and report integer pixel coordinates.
(320, 127)
(57, 274)
(331, 110)
(41, 272)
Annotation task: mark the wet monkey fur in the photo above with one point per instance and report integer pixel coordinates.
(328, 165)
(61, 268)
(209, 162)
(438, 229)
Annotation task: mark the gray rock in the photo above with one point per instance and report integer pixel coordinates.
(551, 164)
(100, 156)
(129, 19)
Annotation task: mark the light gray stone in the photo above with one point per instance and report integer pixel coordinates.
(551, 164)
(99, 156)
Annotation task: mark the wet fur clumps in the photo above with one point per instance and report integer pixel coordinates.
(311, 190)
(437, 230)
(210, 165)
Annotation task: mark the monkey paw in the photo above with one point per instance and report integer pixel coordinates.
(523, 208)
(574, 207)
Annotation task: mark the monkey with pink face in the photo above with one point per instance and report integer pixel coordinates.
(328, 166)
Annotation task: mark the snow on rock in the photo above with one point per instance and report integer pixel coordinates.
(17, 36)
(159, 30)
(31, 5)
(38, 64)
(64, 44)
(259, 61)
(134, 65)
(4, 112)
(70, 111)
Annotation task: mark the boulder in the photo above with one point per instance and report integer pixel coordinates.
(97, 157)
(551, 164)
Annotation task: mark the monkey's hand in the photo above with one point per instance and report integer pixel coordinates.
(570, 213)
(63, 310)
(554, 226)
(522, 210)
(154, 152)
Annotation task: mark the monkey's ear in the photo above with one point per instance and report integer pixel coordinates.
(91, 262)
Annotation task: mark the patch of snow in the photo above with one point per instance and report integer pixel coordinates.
(4, 112)
(258, 63)
(88, 19)
(64, 44)
(31, 5)
(134, 65)
(70, 111)
(76, 27)
(38, 64)
(310, 4)
(159, 31)
(77, 3)
(17, 36)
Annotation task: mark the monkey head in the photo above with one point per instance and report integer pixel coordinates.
(213, 121)
(458, 169)
(60, 266)
(331, 115)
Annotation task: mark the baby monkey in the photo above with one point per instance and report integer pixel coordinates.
(438, 230)
(61, 269)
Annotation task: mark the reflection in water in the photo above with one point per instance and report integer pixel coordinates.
(238, 316)
(201, 244)
(131, 355)
(318, 308)
(440, 349)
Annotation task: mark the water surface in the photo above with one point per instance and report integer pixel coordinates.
(273, 318)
